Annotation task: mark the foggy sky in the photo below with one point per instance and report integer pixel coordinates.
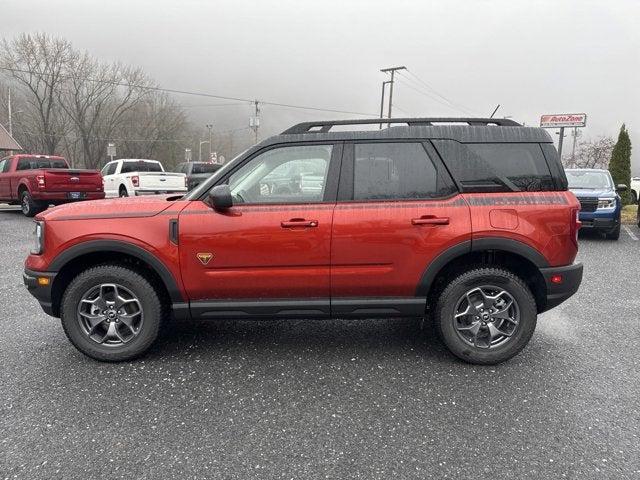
(532, 57)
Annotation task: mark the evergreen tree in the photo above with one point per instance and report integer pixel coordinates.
(620, 164)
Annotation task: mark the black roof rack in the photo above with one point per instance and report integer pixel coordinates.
(325, 126)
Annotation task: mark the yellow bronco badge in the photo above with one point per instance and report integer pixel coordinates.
(204, 257)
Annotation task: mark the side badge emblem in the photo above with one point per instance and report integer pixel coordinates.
(204, 257)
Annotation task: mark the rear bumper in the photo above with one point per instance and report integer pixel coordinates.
(62, 197)
(42, 293)
(571, 276)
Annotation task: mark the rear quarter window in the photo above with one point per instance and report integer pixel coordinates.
(497, 167)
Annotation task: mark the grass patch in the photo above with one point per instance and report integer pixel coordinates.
(629, 214)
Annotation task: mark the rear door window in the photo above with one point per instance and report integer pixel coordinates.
(396, 171)
(497, 167)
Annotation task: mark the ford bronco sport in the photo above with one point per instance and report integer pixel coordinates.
(465, 221)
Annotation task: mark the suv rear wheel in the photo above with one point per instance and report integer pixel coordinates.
(486, 315)
(111, 313)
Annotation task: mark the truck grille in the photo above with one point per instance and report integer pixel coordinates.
(588, 204)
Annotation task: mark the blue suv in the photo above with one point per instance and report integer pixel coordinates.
(600, 204)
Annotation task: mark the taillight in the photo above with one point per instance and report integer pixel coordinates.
(575, 225)
(40, 181)
(135, 180)
(186, 182)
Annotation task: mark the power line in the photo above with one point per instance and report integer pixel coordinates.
(192, 93)
(110, 139)
(432, 91)
(430, 96)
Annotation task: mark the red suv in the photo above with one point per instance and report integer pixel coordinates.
(466, 221)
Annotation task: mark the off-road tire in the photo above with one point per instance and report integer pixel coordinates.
(135, 282)
(122, 191)
(445, 311)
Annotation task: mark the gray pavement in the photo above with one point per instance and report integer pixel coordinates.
(334, 399)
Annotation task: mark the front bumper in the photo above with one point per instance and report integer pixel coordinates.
(557, 293)
(42, 293)
(600, 220)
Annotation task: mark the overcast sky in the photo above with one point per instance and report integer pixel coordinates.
(532, 57)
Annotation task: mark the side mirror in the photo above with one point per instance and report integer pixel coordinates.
(220, 197)
(621, 187)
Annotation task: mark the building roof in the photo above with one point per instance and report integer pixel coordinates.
(7, 142)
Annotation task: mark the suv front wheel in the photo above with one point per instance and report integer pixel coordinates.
(486, 315)
(111, 313)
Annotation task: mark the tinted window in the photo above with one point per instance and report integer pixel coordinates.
(489, 167)
(396, 171)
(295, 174)
(128, 167)
(3, 163)
(199, 168)
(33, 163)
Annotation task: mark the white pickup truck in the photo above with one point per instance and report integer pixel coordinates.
(635, 189)
(131, 176)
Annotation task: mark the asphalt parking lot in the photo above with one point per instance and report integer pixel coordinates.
(338, 399)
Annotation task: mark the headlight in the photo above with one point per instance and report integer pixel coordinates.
(606, 202)
(38, 238)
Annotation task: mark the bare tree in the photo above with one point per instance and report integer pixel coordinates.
(594, 153)
(155, 127)
(37, 64)
(96, 98)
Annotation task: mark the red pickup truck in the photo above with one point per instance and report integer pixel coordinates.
(37, 181)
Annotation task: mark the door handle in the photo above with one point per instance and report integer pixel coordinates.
(299, 222)
(430, 220)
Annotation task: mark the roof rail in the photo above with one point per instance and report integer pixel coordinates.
(325, 126)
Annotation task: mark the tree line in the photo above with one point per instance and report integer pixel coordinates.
(67, 102)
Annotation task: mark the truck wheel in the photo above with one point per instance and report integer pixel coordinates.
(29, 207)
(111, 313)
(486, 316)
(123, 191)
(634, 197)
(613, 234)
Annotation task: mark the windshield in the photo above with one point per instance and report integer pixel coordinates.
(589, 180)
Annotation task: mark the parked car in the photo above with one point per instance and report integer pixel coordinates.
(470, 224)
(132, 177)
(635, 189)
(197, 172)
(37, 181)
(600, 204)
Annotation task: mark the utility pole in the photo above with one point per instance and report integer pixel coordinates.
(210, 128)
(254, 122)
(384, 84)
(392, 71)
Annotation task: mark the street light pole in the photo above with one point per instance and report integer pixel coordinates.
(210, 127)
(200, 149)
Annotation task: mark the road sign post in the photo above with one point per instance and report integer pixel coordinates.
(562, 121)
(111, 150)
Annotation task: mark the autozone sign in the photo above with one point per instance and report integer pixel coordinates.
(563, 120)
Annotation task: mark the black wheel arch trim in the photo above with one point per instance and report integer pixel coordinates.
(512, 246)
(140, 253)
(476, 245)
